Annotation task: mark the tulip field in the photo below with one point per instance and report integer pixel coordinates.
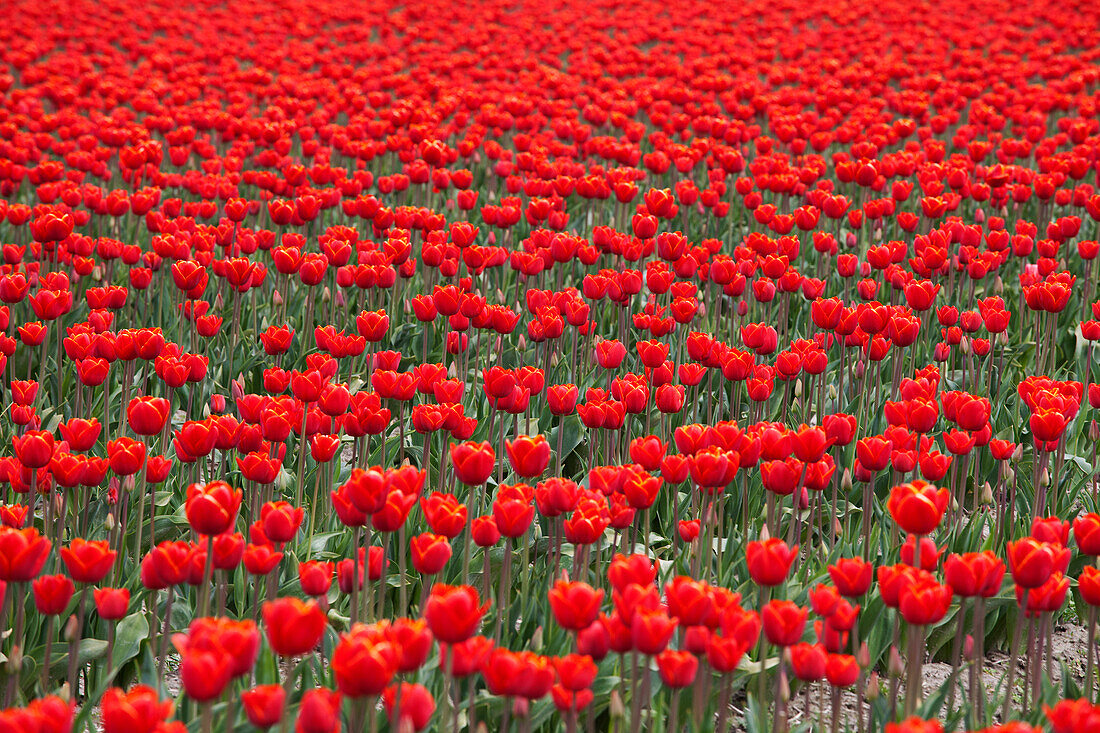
(549, 366)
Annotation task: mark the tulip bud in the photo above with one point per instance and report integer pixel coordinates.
(72, 629)
(340, 299)
(97, 273)
(277, 298)
(65, 693)
(968, 647)
(520, 707)
(15, 658)
(838, 528)
(954, 505)
(863, 658)
(861, 368)
(481, 727)
(1094, 431)
(784, 688)
(765, 535)
(615, 706)
(554, 358)
(895, 667)
(798, 388)
(998, 285)
(1018, 453)
(964, 346)
(407, 306)
(109, 523)
(521, 343)
(1010, 475)
(987, 494)
(872, 690)
(846, 480)
(536, 639)
(1044, 477)
(831, 392)
(283, 479)
(326, 295)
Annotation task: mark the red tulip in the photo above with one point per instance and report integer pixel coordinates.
(137, 711)
(677, 668)
(23, 552)
(263, 705)
(52, 594)
(783, 622)
(575, 605)
(408, 705)
(528, 456)
(852, 576)
(924, 601)
(430, 553)
(88, 562)
(212, 509)
(111, 603)
(918, 507)
(473, 462)
(364, 661)
(453, 613)
(293, 627)
(770, 560)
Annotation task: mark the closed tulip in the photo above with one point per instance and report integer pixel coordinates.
(293, 627)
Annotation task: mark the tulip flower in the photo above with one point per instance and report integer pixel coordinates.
(293, 627)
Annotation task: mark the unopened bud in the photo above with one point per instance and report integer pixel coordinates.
(846, 480)
(954, 504)
(798, 387)
(987, 494)
(97, 273)
(968, 647)
(326, 295)
(15, 658)
(895, 667)
(863, 658)
(615, 705)
(109, 522)
(964, 346)
(277, 298)
(871, 691)
(520, 707)
(1044, 477)
(765, 535)
(784, 688)
(1018, 453)
(832, 392)
(536, 639)
(521, 343)
(1010, 475)
(998, 285)
(65, 693)
(1094, 431)
(555, 358)
(481, 727)
(72, 629)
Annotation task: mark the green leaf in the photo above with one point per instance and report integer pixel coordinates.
(87, 650)
(129, 634)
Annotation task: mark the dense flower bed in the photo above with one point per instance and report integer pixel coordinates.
(538, 366)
